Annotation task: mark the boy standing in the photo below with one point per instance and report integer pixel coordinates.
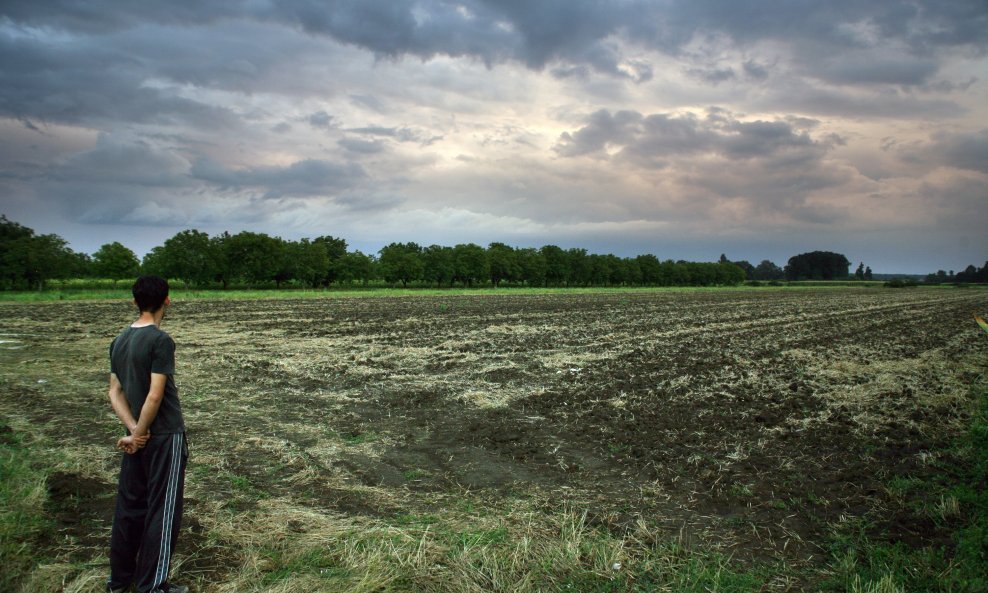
(152, 471)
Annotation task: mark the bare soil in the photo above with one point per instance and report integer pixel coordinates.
(749, 421)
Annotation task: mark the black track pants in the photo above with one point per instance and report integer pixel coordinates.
(148, 513)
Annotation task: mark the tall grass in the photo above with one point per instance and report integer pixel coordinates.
(959, 500)
(22, 520)
(524, 553)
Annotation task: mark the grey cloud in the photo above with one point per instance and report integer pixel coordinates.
(399, 134)
(965, 151)
(645, 139)
(359, 146)
(123, 161)
(712, 75)
(572, 33)
(869, 68)
(755, 70)
(308, 177)
(602, 128)
(81, 82)
(320, 119)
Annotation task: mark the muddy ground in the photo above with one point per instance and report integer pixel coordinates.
(753, 422)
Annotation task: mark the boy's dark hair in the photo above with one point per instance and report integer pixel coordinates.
(150, 293)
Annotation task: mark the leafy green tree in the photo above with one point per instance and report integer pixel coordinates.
(503, 263)
(255, 258)
(189, 256)
(579, 267)
(859, 274)
(470, 264)
(222, 265)
(531, 266)
(767, 270)
(651, 272)
(48, 258)
(401, 262)
(355, 266)
(556, 265)
(632, 271)
(438, 264)
(817, 265)
(114, 260)
(335, 252)
(867, 273)
(729, 274)
(749, 270)
(306, 261)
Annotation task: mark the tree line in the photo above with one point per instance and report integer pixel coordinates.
(195, 259)
(968, 275)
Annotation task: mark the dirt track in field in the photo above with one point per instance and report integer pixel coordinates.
(752, 421)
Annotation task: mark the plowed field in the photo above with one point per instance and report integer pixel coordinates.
(750, 422)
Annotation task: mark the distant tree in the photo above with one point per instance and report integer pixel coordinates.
(113, 260)
(470, 264)
(503, 262)
(579, 267)
(729, 274)
(29, 261)
(817, 265)
(867, 273)
(767, 270)
(189, 256)
(556, 265)
(531, 266)
(335, 250)
(154, 262)
(617, 272)
(968, 275)
(651, 270)
(47, 258)
(254, 258)
(357, 267)
(305, 261)
(438, 265)
(223, 267)
(749, 270)
(723, 259)
(859, 274)
(632, 271)
(401, 262)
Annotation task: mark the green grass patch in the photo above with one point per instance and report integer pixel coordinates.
(95, 290)
(23, 524)
(955, 498)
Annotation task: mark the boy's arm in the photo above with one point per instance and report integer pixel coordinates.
(119, 402)
(150, 408)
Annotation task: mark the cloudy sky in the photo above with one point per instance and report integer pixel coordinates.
(684, 128)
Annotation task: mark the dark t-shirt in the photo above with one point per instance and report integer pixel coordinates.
(134, 355)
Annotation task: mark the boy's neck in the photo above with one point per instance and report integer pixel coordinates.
(148, 318)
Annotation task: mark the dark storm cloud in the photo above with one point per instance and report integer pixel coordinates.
(308, 177)
(964, 151)
(578, 32)
(650, 139)
(320, 119)
(358, 146)
(82, 82)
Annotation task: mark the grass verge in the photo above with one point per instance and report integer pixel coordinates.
(22, 520)
(519, 553)
(954, 498)
(122, 292)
